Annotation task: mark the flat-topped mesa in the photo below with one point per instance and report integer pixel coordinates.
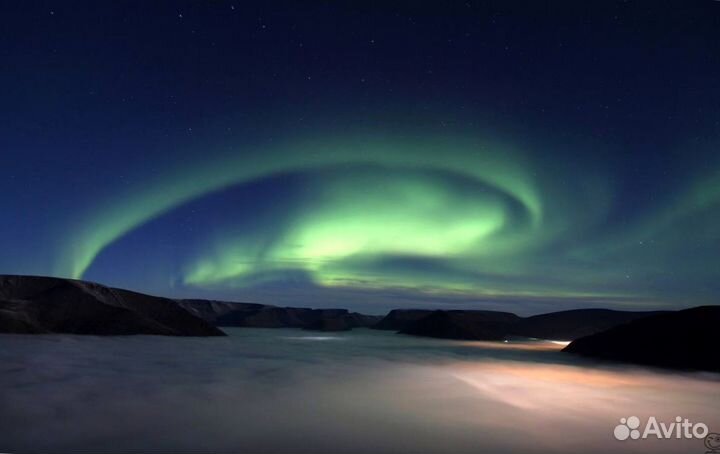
(250, 315)
(33, 304)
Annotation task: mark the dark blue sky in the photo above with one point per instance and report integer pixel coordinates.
(525, 155)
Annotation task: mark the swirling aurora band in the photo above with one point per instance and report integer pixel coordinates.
(169, 193)
(463, 209)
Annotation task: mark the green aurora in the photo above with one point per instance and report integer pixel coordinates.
(438, 215)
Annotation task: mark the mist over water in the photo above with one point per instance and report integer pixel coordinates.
(281, 391)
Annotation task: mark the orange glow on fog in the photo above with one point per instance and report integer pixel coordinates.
(559, 387)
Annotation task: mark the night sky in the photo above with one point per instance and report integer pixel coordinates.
(526, 156)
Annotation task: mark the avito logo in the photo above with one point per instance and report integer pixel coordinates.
(680, 428)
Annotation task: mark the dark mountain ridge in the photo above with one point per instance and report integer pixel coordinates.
(33, 304)
(252, 315)
(38, 305)
(496, 325)
(684, 339)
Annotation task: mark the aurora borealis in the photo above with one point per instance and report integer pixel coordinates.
(494, 155)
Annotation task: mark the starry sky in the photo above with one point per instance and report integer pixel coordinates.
(527, 156)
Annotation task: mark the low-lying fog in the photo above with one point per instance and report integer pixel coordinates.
(292, 391)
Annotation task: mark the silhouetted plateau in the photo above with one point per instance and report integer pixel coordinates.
(252, 315)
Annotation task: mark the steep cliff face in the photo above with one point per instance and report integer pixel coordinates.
(264, 316)
(30, 304)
